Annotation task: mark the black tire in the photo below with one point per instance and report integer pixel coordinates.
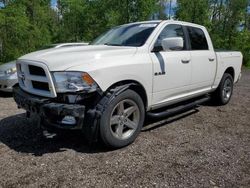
(219, 95)
(107, 131)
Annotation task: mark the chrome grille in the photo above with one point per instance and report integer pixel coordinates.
(35, 78)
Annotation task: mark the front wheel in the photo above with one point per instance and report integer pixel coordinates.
(224, 92)
(122, 120)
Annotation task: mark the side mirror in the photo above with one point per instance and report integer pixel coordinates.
(174, 43)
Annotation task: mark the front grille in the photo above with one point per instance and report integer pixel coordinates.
(40, 85)
(35, 78)
(38, 71)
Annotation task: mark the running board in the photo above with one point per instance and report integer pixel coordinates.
(178, 109)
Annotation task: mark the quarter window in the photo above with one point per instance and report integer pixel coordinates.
(197, 39)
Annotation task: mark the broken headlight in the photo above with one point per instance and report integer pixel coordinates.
(73, 81)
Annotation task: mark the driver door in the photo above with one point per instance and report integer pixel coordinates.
(172, 69)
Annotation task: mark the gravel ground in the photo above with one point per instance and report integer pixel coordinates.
(205, 147)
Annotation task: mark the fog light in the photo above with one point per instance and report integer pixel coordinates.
(69, 120)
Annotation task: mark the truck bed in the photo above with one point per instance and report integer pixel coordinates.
(227, 59)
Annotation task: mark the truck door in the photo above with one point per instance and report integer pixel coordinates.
(203, 59)
(172, 69)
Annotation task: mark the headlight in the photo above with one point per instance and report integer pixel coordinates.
(10, 71)
(73, 81)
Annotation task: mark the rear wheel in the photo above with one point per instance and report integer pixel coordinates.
(122, 120)
(224, 92)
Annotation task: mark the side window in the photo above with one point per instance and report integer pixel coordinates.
(197, 39)
(170, 31)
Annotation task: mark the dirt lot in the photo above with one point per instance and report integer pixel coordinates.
(205, 147)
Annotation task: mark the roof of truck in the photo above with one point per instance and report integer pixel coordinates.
(167, 21)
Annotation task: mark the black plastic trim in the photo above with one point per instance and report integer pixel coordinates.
(178, 109)
(46, 109)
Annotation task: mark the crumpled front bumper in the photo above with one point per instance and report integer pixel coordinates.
(49, 111)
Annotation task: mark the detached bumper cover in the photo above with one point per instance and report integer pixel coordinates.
(50, 112)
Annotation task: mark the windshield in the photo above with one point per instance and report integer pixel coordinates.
(126, 35)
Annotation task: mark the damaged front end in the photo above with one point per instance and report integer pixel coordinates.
(67, 111)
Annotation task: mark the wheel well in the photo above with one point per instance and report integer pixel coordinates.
(230, 71)
(135, 86)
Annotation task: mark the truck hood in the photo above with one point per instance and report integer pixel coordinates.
(60, 59)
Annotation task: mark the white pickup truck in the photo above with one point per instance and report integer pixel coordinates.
(107, 88)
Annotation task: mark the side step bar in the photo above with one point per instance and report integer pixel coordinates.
(177, 109)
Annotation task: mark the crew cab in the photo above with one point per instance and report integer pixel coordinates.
(107, 88)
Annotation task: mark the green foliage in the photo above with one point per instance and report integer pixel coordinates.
(195, 11)
(71, 28)
(85, 20)
(242, 42)
(27, 25)
(14, 27)
(222, 18)
(24, 27)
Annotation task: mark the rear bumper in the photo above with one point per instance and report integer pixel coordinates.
(50, 112)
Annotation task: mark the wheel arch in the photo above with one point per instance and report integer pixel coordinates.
(231, 71)
(135, 86)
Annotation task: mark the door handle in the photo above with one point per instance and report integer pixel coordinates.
(211, 59)
(185, 61)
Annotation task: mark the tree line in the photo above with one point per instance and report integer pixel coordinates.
(28, 25)
(228, 22)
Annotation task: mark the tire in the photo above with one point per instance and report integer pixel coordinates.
(122, 119)
(224, 92)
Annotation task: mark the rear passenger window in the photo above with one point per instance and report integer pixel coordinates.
(197, 39)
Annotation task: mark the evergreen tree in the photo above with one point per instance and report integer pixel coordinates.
(195, 11)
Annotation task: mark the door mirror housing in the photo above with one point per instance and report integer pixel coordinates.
(172, 44)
